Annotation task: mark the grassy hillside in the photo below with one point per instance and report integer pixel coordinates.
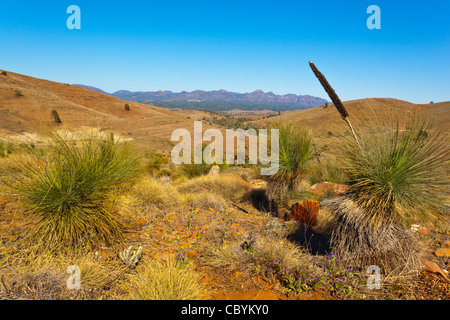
(26, 103)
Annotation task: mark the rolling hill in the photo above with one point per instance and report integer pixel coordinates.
(326, 124)
(26, 103)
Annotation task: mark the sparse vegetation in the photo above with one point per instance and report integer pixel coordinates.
(176, 232)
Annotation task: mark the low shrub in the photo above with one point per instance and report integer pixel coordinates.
(66, 188)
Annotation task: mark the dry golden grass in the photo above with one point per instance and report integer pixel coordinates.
(165, 280)
(205, 200)
(28, 275)
(229, 187)
(262, 257)
(152, 193)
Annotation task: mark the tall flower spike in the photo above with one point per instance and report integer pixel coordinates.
(334, 97)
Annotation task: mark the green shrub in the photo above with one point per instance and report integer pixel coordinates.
(6, 148)
(295, 151)
(55, 117)
(66, 188)
(399, 173)
(155, 161)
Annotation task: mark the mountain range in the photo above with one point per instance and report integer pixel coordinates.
(218, 99)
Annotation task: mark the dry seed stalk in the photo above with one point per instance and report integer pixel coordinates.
(334, 98)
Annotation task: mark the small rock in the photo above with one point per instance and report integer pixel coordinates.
(276, 226)
(433, 267)
(328, 187)
(164, 179)
(105, 253)
(258, 184)
(214, 171)
(163, 255)
(420, 229)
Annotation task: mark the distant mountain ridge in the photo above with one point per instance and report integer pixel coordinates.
(220, 95)
(218, 99)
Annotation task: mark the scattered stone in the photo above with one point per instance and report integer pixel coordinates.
(433, 267)
(327, 188)
(422, 230)
(165, 179)
(276, 226)
(105, 253)
(258, 184)
(163, 255)
(214, 171)
(238, 179)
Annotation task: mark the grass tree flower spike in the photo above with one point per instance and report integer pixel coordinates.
(334, 97)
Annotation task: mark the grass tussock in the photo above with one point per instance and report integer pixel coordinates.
(357, 244)
(44, 276)
(264, 255)
(225, 186)
(396, 174)
(326, 171)
(66, 188)
(165, 280)
(295, 151)
(6, 148)
(400, 173)
(205, 200)
(152, 193)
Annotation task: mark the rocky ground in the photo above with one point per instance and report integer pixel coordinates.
(192, 235)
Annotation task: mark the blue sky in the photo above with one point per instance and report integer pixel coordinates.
(234, 45)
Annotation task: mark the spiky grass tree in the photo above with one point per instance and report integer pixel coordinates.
(396, 172)
(295, 151)
(66, 188)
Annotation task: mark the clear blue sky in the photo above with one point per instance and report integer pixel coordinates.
(234, 45)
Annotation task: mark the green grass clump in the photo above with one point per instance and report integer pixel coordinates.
(6, 148)
(398, 173)
(326, 171)
(155, 161)
(295, 151)
(66, 187)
